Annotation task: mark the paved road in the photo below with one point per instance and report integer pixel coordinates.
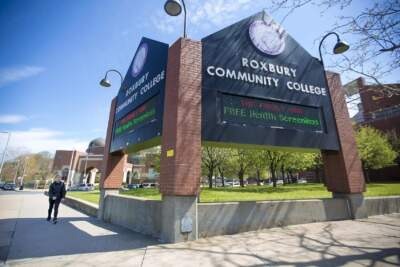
(26, 239)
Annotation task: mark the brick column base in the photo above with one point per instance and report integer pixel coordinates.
(180, 166)
(343, 170)
(113, 165)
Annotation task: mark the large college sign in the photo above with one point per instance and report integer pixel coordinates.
(260, 87)
(140, 100)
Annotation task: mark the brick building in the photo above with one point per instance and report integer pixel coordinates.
(378, 108)
(79, 167)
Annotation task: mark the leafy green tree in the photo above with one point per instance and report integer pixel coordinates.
(295, 162)
(374, 148)
(210, 160)
(394, 140)
(273, 159)
(225, 166)
(258, 162)
(242, 162)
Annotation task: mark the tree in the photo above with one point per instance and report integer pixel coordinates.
(273, 159)
(394, 140)
(298, 161)
(374, 148)
(375, 31)
(318, 165)
(210, 160)
(242, 162)
(257, 159)
(29, 166)
(225, 166)
(152, 160)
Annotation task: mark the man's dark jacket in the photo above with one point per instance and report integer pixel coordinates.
(57, 189)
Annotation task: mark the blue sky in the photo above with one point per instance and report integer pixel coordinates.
(53, 54)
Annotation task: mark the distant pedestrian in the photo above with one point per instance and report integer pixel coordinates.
(56, 194)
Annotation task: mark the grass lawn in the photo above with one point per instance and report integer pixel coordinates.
(92, 196)
(254, 193)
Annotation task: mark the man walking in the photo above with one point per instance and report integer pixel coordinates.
(56, 194)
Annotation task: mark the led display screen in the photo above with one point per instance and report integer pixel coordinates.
(268, 113)
(144, 114)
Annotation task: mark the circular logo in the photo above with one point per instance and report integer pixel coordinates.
(139, 60)
(267, 37)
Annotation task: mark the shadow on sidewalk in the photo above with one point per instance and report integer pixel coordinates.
(35, 237)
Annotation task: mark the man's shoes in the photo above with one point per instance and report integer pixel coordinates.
(54, 221)
(48, 219)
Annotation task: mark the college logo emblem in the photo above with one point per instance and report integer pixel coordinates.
(140, 59)
(267, 36)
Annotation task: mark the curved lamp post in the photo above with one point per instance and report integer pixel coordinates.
(174, 8)
(339, 48)
(106, 83)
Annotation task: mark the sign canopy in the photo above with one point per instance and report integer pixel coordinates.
(140, 100)
(260, 87)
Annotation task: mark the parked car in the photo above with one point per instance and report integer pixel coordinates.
(86, 187)
(232, 183)
(2, 184)
(149, 185)
(301, 181)
(73, 188)
(9, 186)
(134, 186)
(278, 182)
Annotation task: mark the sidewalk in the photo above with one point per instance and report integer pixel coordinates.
(28, 240)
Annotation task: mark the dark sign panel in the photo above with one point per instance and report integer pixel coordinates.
(245, 111)
(261, 87)
(139, 109)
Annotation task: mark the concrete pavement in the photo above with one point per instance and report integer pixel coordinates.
(26, 239)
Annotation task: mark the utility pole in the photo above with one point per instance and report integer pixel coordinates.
(23, 173)
(16, 171)
(70, 170)
(4, 152)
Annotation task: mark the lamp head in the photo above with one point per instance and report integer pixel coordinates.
(105, 83)
(340, 47)
(173, 7)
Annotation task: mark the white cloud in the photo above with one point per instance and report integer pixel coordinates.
(9, 75)
(12, 119)
(38, 139)
(205, 14)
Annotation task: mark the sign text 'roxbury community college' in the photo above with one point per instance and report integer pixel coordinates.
(260, 87)
(140, 100)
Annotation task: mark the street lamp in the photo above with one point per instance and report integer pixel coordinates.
(339, 48)
(5, 151)
(106, 83)
(174, 8)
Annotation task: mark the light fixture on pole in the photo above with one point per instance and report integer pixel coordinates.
(4, 152)
(106, 83)
(339, 48)
(174, 8)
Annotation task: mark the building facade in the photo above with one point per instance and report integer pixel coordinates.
(379, 108)
(77, 167)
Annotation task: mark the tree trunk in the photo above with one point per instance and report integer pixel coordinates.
(221, 172)
(210, 175)
(283, 174)
(317, 174)
(366, 173)
(241, 174)
(272, 169)
(258, 177)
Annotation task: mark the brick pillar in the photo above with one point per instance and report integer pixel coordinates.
(343, 171)
(180, 168)
(113, 165)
